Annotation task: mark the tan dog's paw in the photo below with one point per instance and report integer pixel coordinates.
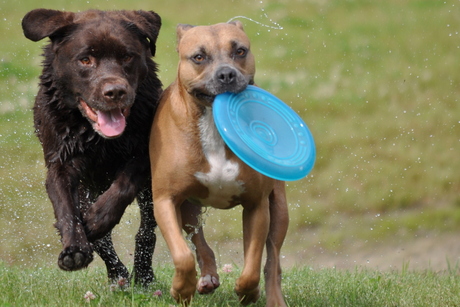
(248, 297)
(184, 287)
(207, 284)
(183, 298)
(277, 302)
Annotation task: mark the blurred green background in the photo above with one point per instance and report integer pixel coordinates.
(377, 82)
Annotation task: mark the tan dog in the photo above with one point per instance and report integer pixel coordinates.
(191, 164)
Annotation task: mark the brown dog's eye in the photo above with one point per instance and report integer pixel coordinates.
(85, 61)
(127, 58)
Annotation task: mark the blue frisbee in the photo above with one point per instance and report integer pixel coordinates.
(265, 133)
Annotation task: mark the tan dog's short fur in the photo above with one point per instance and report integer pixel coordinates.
(192, 167)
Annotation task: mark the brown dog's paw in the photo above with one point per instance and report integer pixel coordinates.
(75, 258)
(207, 284)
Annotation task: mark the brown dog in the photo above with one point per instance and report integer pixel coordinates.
(190, 163)
(92, 114)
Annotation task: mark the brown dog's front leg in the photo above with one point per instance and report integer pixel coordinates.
(109, 208)
(115, 268)
(145, 239)
(168, 217)
(256, 221)
(62, 188)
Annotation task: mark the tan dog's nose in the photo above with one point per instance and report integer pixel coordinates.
(226, 75)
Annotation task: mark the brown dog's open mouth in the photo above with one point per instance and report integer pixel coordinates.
(109, 124)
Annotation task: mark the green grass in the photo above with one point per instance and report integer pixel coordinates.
(377, 83)
(302, 287)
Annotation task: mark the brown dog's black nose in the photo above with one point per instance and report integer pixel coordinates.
(226, 75)
(114, 92)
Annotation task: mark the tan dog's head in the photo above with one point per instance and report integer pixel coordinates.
(214, 59)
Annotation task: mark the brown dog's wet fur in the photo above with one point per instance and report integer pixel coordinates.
(97, 96)
(192, 167)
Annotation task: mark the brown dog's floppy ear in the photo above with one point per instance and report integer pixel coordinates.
(41, 23)
(150, 25)
(237, 23)
(180, 30)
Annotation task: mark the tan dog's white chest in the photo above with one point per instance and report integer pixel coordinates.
(221, 180)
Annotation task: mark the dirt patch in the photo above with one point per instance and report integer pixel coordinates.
(435, 252)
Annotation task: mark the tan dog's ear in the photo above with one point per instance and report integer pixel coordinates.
(180, 30)
(237, 23)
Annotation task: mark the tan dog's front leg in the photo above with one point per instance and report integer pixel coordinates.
(209, 280)
(255, 230)
(279, 221)
(168, 217)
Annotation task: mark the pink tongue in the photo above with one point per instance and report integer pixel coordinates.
(111, 123)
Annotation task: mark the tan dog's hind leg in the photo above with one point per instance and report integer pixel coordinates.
(256, 221)
(209, 280)
(168, 217)
(279, 221)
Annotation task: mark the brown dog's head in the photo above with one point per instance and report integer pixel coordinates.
(214, 59)
(98, 59)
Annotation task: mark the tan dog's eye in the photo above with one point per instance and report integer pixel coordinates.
(241, 52)
(199, 58)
